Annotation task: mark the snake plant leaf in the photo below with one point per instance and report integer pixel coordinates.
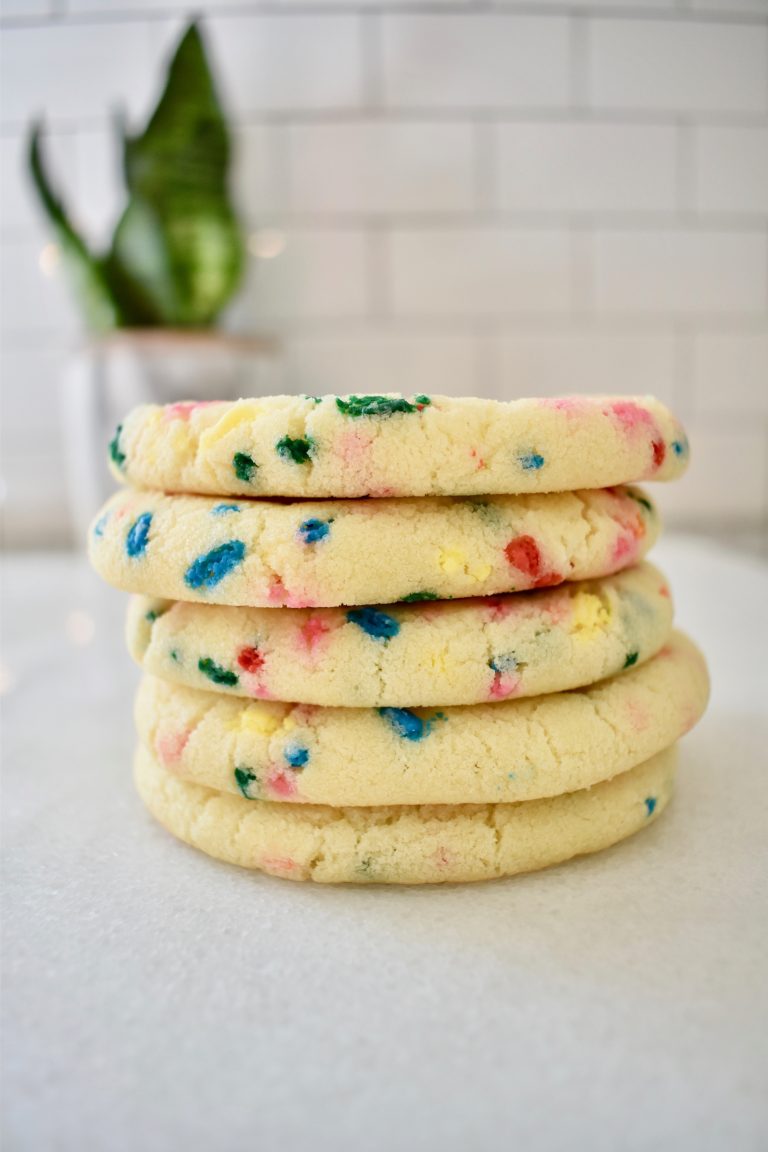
(178, 247)
(85, 270)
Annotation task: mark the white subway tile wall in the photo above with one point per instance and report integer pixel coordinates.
(452, 196)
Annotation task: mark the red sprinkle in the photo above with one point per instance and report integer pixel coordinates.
(250, 659)
(523, 554)
(659, 452)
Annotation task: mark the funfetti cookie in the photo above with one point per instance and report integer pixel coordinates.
(409, 655)
(347, 446)
(508, 751)
(346, 552)
(406, 845)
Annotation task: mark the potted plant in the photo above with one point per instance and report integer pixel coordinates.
(150, 303)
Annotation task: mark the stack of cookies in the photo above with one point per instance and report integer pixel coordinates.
(400, 640)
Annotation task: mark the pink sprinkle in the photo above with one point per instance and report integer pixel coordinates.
(504, 685)
(170, 746)
(353, 447)
(624, 550)
(499, 608)
(278, 595)
(570, 404)
(311, 633)
(442, 857)
(664, 591)
(257, 689)
(638, 716)
(282, 785)
(184, 409)
(631, 416)
(480, 462)
(277, 864)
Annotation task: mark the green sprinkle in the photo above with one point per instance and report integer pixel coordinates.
(216, 673)
(116, 454)
(631, 659)
(175, 655)
(244, 778)
(244, 466)
(298, 450)
(640, 500)
(356, 406)
(414, 597)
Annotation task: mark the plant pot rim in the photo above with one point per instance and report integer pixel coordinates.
(168, 340)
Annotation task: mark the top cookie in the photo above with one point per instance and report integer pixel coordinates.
(348, 446)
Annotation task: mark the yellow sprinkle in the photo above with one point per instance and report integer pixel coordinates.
(257, 719)
(480, 571)
(451, 560)
(588, 615)
(239, 414)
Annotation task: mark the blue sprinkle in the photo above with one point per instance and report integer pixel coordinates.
(210, 568)
(296, 755)
(679, 447)
(531, 461)
(650, 803)
(376, 624)
(507, 662)
(138, 535)
(313, 530)
(222, 509)
(100, 525)
(406, 724)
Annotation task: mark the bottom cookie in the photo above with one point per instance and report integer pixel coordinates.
(433, 844)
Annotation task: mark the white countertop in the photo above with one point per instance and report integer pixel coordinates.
(156, 1000)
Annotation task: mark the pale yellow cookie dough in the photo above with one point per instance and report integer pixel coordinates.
(395, 446)
(482, 753)
(313, 553)
(402, 845)
(409, 655)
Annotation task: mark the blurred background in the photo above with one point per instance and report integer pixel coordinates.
(501, 200)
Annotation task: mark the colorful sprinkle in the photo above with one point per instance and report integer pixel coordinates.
(356, 406)
(406, 724)
(244, 778)
(100, 525)
(250, 659)
(296, 755)
(244, 466)
(531, 461)
(659, 453)
(154, 614)
(632, 658)
(210, 569)
(650, 804)
(414, 597)
(223, 509)
(504, 664)
(680, 447)
(376, 624)
(170, 745)
(638, 499)
(523, 554)
(138, 535)
(313, 530)
(175, 655)
(216, 673)
(116, 454)
(298, 450)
